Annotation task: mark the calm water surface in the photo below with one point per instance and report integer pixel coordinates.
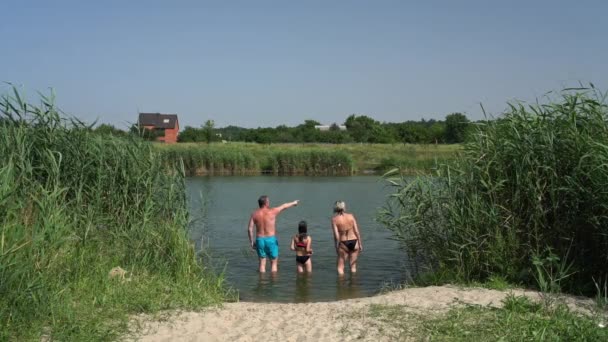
(222, 206)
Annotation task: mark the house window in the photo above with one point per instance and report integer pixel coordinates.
(165, 120)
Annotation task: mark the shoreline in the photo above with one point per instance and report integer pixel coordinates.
(342, 320)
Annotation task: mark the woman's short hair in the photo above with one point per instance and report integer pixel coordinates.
(339, 207)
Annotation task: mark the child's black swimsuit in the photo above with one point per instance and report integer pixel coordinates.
(302, 259)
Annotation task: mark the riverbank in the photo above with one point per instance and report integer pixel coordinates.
(410, 315)
(236, 158)
(93, 229)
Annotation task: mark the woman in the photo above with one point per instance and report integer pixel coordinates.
(346, 237)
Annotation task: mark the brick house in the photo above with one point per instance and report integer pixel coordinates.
(166, 124)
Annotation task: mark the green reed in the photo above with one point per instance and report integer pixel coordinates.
(73, 205)
(529, 186)
(210, 159)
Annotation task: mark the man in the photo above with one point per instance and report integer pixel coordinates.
(346, 237)
(266, 243)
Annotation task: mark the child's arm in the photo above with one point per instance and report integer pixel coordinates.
(309, 245)
(292, 247)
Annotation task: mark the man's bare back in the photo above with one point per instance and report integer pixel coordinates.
(264, 221)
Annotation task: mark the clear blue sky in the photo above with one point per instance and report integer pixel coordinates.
(265, 63)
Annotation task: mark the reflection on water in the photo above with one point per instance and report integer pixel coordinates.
(267, 285)
(347, 286)
(227, 203)
(303, 285)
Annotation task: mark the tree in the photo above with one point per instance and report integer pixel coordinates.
(189, 134)
(437, 132)
(109, 130)
(456, 125)
(307, 132)
(208, 131)
(360, 127)
(146, 134)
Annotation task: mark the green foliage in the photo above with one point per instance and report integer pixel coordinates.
(361, 129)
(518, 320)
(73, 205)
(190, 134)
(209, 159)
(234, 160)
(526, 183)
(311, 162)
(456, 126)
(367, 130)
(208, 131)
(109, 130)
(550, 272)
(252, 159)
(146, 134)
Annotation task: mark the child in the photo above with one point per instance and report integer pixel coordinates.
(302, 244)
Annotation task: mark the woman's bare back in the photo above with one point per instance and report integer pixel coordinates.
(345, 223)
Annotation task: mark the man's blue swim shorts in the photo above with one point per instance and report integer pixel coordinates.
(267, 246)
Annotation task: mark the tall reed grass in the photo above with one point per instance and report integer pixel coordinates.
(214, 159)
(73, 205)
(525, 199)
(210, 160)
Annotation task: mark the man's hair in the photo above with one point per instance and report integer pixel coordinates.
(262, 200)
(339, 207)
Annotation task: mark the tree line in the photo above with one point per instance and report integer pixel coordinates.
(359, 129)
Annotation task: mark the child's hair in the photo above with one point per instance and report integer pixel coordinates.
(302, 230)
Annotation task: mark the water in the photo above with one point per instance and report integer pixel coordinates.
(223, 206)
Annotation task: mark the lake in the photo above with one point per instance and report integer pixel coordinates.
(221, 207)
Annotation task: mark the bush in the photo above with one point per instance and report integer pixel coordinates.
(75, 204)
(527, 184)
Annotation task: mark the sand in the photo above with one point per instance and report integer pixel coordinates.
(324, 321)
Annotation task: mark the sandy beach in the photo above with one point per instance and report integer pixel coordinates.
(324, 321)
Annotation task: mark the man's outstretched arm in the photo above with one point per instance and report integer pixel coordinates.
(287, 205)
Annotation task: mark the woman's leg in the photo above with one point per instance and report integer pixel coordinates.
(309, 265)
(353, 261)
(342, 254)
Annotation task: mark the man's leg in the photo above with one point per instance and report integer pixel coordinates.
(262, 265)
(274, 265)
(273, 251)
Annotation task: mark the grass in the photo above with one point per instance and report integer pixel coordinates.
(306, 159)
(519, 319)
(74, 205)
(522, 201)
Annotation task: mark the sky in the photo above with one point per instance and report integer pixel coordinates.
(268, 63)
